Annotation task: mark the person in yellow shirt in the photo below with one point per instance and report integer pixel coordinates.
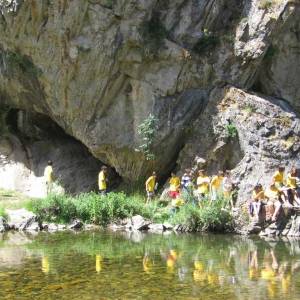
(174, 186)
(258, 196)
(202, 184)
(151, 186)
(49, 177)
(216, 185)
(272, 192)
(293, 188)
(278, 177)
(102, 180)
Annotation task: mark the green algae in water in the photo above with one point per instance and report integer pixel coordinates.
(103, 265)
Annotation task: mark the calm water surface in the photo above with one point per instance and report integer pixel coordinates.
(103, 265)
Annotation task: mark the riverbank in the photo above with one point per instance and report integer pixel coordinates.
(121, 212)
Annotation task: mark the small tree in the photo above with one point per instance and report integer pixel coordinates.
(147, 131)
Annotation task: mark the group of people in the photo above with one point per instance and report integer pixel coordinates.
(265, 204)
(283, 191)
(201, 186)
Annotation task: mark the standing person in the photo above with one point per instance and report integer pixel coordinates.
(228, 186)
(174, 186)
(49, 177)
(216, 185)
(186, 180)
(151, 186)
(102, 180)
(202, 184)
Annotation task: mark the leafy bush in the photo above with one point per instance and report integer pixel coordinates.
(153, 34)
(22, 62)
(208, 41)
(94, 208)
(91, 207)
(3, 213)
(147, 130)
(210, 216)
(231, 130)
(266, 4)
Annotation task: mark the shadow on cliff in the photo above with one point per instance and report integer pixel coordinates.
(33, 139)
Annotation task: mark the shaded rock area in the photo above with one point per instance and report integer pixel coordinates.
(288, 225)
(98, 68)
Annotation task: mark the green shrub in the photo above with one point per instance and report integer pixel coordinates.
(271, 52)
(94, 208)
(3, 212)
(24, 63)
(91, 207)
(266, 4)
(231, 130)
(207, 42)
(210, 216)
(153, 34)
(147, 131)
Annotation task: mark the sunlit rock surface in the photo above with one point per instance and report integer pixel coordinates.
(99, 68)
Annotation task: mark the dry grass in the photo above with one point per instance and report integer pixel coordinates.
(12, 199)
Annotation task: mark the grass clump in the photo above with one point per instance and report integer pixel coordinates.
(210, 216)
(3, 213)
(91, 208)
(103, 210)
(231, 131)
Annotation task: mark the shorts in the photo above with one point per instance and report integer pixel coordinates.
(173, 194)
(103, 192)
(150, 194)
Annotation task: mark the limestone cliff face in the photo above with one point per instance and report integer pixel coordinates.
(97, 68)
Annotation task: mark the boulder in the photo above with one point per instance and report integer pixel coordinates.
(21, 219)
(139, 223)
(33, 227)
(75, 225)
(156, 228)
(3, 225)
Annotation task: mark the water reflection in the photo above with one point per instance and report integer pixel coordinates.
(132, 266)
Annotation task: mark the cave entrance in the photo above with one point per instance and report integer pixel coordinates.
(36, 138)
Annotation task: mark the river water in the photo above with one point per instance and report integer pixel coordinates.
(105, 265)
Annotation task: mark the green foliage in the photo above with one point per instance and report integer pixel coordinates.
(271, 52)
(22, 62)
(98, 209)
(207, 42)
(153, 34)
(210, 216)
(147, 131)
(231, 130)
(249, 108)
(109, 3)
(266, 4)
(3, 212)
(91, 207)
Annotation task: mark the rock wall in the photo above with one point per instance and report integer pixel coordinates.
(98, 68)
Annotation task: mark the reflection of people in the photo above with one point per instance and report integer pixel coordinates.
(147, 264)
(45, 265)
(49, 177)
(171, 261)
(102, 180)
(98, 263)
